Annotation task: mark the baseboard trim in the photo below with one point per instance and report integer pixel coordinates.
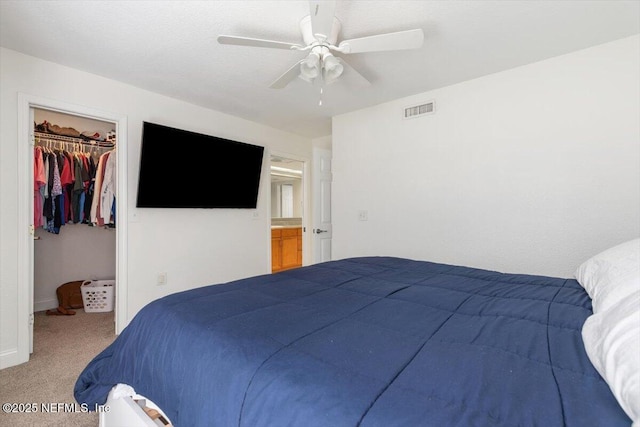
(9, 358)
(45, 305)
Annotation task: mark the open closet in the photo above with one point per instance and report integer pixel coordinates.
(74, 219)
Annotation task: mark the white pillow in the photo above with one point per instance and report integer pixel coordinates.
(612, 341)
(612, 275)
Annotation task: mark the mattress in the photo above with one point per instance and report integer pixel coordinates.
(368, 341)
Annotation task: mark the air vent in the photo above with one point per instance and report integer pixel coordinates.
(420, 110)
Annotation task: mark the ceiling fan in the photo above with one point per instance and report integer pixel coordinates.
(320, 30)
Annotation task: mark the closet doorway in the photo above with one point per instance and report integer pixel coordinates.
(74, 210)
(31, 296)
(73, 240)
(287, 212)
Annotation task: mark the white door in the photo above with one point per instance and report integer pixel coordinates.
(322, 231)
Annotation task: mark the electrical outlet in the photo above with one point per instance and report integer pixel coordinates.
(363, 216)
(162, 279)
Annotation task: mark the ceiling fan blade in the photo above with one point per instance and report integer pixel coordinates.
(410, 39)
(247, 41)
(287, 77)
(351, 73)
(322, 13)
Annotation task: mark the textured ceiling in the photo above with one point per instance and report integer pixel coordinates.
(170, 47)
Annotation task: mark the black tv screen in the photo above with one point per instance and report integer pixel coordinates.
(182, 169)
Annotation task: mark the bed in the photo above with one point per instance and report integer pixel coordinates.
(367, 341)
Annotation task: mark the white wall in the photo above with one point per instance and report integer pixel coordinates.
(194, 247)
(531, 170)
(79, 252)
(323, 142)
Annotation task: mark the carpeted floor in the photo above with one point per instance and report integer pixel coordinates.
(63, 345)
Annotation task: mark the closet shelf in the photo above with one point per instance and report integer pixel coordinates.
(50, 137)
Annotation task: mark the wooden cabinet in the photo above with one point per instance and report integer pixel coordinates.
(286, 248)
(276, 251)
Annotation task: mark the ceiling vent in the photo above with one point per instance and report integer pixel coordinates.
(420, 110)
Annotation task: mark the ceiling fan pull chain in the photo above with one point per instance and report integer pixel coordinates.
(320, 102)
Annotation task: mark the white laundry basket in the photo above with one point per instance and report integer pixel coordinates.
(98, 295)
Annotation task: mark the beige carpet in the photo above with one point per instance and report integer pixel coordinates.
(63, 345)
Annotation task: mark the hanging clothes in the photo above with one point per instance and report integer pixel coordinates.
(96, 217)
(108, 190)
(39, 184)
(53, 215)
(65, 186)
(103, 198)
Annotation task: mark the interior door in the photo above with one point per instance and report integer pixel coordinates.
(322, 230)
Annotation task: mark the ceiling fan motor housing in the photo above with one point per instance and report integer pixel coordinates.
(320, 60)
(326, 39)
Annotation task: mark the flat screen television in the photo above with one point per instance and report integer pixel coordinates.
(183, 169)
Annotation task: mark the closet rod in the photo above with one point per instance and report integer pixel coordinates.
(49, 137)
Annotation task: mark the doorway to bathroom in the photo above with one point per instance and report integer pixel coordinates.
(287, 212)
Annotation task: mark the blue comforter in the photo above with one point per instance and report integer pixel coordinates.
(375, 341)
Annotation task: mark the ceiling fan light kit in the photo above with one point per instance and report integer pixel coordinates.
(320, 30)
(332, 68)
(309, 67)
